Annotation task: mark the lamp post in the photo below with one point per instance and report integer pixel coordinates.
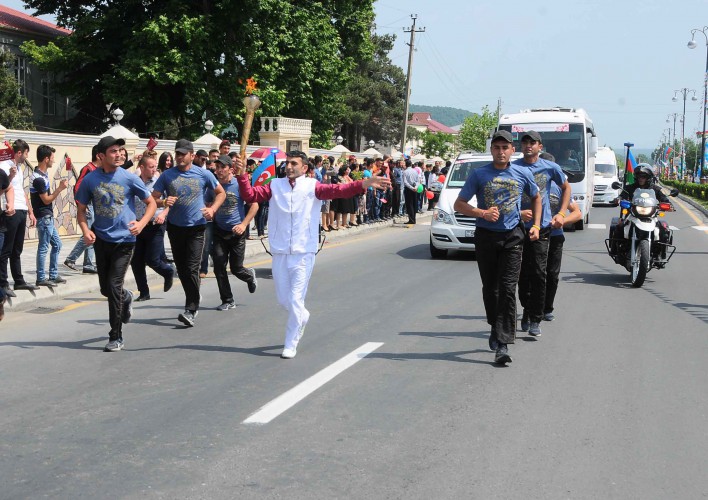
(118, 115)
(684, 92)
(371, 143)
(672, 143)
(339, 140)
(208, 126)
(692, 45)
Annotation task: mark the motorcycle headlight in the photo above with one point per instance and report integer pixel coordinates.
(644, 210)
(442, 216)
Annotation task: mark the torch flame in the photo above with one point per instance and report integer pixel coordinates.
(250, 86)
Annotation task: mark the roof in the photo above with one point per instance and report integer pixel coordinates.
(425, 120)
(19, 21)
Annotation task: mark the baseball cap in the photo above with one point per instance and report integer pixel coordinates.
(201, 152)
(224, 160)
(184, 146)
(533, 135)
(107, 142)
(503, 135)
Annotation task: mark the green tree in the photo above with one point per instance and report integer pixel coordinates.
(169, 64)
(436, 144)
(374, 97)
(15, 109)
(475, 130)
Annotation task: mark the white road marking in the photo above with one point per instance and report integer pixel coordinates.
(288, 399)
(701, 228)
(674, 228)
(597, 226)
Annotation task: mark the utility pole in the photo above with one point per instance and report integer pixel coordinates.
(412, 30)
(499, 103)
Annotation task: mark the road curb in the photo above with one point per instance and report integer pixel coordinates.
(694, 204)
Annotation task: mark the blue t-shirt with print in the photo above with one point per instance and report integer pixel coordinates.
(543, 172)
(233, 210)
(502, 189)
(189, 188)
(113, 197)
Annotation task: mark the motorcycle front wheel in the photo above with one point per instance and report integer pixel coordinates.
(641, 263)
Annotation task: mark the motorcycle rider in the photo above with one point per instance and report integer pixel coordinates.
(644, 179)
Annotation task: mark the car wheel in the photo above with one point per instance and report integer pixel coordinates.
(437, 253)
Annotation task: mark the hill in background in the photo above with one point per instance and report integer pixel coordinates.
(445, 115)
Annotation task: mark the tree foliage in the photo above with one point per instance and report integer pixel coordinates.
(15, 109)
(374, 97)
(171, 64)
(436, 144)
(475, 130)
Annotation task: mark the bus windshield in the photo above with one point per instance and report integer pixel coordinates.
(566, 142)
(459, 172)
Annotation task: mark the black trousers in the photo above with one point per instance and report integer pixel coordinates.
(149, 246)
(553, 267)
(395, 201)
(187, 246)
(532, 282)
(228, 248)
(12, 248)
(411, 203)
(112, 261)
(499, 263)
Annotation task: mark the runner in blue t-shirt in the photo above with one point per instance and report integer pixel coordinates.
(112, 190)
(498, 188)
(185, 185)
(230, 236)
(532, 281)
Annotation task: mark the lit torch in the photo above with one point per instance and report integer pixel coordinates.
(252, 102)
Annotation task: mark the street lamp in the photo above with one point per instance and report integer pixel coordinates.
(684, 92)
(692, 45)
(118, 115)
(372, 144)
(339, 140)
(208, 125)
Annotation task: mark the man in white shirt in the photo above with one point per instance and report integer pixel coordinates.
(17, 223)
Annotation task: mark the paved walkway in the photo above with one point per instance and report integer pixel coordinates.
(79, 283)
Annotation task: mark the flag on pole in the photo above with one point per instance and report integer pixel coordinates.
(629, 168)
(265, 171)
(7, 153)
(67, 162)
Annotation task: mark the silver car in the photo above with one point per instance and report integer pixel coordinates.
(450, 230)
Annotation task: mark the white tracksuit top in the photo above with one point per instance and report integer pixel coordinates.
(293, 216)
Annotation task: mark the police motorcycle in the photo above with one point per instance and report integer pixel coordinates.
(643, 241)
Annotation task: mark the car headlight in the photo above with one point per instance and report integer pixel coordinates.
(442, 216)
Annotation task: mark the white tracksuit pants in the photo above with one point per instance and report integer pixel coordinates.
(291, 275)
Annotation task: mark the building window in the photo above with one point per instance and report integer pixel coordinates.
(48, 101)
(21, 74)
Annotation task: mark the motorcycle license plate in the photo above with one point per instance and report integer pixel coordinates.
(469, 233)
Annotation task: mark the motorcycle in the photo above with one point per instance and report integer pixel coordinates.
(646, 242)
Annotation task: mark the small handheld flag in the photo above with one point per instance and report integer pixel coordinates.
(265, 171)
(630, 164)
(7, 153)
(152, 144)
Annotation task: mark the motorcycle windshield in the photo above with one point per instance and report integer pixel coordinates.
(644, 198)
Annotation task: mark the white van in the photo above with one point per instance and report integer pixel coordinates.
(605, 174)
(450, 230)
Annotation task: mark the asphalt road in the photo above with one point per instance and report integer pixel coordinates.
(609, 403)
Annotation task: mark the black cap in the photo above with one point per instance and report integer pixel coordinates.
(503, 135)
(107, 142)
(533, 135)
(224, 160)
(201, 152)
(184, 146)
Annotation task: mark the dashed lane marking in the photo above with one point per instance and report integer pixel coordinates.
(290, 398)
(700, 228)
(597, 226)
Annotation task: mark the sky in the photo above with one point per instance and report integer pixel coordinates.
(620, 60)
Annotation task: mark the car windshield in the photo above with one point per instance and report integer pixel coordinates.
(605, 169)
(461, 170)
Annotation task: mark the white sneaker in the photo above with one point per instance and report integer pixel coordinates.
(288, 353)
(226, 306)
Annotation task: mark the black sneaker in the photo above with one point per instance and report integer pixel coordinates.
(548, 316)
(187, 317)
(143, 297)
(169, 281)
(48, 283)
(535, 329)
(23, 286)
(9, 292)
(58, 280)
(525, 322)
(493, 342)
(502, 355)
(70, 264)
(89, 270)
(253, 284)
(127, 306)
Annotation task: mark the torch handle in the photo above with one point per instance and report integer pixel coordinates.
(247, 123)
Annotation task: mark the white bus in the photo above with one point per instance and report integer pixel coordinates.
(569, 135)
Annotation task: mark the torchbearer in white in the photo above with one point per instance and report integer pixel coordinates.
(293, 225)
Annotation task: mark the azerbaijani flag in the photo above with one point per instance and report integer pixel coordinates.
(629, 168)
(265, 171)
(667, 152)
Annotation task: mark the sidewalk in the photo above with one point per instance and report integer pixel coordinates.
(78, 283)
